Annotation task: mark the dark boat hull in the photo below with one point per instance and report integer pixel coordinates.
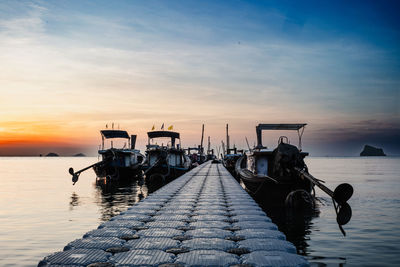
(164, 165)
(275, 190)
(229, 163)
(272, 193)
(118, 173)
(272, 176)
(169, 173)
(119, 164)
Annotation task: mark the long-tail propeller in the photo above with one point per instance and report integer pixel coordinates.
(75, 176)
(340, 196)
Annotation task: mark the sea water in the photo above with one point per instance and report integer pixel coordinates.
(41, 211)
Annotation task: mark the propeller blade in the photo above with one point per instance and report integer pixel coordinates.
(75, 178)
(71, 171)
(344, 214)
(343, 193)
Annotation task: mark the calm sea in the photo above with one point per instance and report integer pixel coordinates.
(41, 211)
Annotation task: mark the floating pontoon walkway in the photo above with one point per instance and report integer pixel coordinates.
(203, 218)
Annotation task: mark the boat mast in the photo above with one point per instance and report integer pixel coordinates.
(202, 137)
(227, 139)
(247, 141)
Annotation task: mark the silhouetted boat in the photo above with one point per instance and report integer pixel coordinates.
(270, 174)
(116, 163)
(119, 163)
(197, 157)
(165, 161)
(281, 177)
(229, 160)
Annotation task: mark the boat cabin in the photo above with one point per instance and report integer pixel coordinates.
(260, 161)
(170, 148)
(197, 156)
(127, 156)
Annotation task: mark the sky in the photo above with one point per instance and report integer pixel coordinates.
(68, 68)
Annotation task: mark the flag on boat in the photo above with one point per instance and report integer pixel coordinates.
(162, 126)
(171, 127)
(153, 127)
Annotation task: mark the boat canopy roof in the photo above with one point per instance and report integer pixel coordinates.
(290, 126)
(114, 134)
(156, 134)
(281, 126)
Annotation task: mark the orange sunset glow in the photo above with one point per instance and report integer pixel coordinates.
(34, 138)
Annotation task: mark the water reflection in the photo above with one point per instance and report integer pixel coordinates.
(74, 201)
(298, 226)
(113, 198)
(295, 224)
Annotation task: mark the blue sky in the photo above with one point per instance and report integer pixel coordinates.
(334, 65)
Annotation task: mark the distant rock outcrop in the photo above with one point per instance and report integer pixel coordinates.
(372, 151)
(80, 155)
(51, 154)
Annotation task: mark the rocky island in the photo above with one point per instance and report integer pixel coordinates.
(372, 151)
(51, 154)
